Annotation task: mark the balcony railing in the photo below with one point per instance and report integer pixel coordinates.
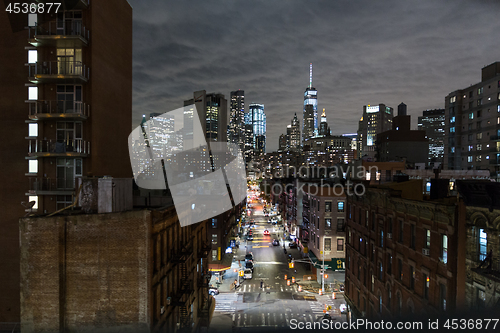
(40, 185)
(58, 109)
(48, 71)
(47, 148)
(59, 34)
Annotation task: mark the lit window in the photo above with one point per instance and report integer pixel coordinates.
(368, 176)
(453, 99)
(471, 115)
(452, 129)
(33, 129)
(452, 119)
(214, 239)
(340, 206)
(32, 56)
(482, 244)
(469, 159)
(428, 187)
(32, 166)
(32, 20)
(444, 249)
(33, 93)
(35, 199)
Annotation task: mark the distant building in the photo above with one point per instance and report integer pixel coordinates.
(295, 134)
(212, 112)
(249, 145)
(376, 119)
(472, 117)
(402, 143)
(433, 123)
(257, 117)
(310, 116)
(324, 130)
(327, 151)
(283, 142)
(236, 127)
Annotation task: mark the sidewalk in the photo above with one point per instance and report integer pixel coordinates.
(227, 283)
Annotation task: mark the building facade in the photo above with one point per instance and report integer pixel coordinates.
(130, 271)
(72, 73)
(376, 119)
(404, 255)
(433, 123)
(473, 125)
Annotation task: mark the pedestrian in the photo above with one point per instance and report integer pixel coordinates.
(261, 284)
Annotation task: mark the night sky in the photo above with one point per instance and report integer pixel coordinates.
(363, 52)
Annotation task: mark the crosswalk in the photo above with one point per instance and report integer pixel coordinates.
(225, 303)
(271, 319)
(255, 287)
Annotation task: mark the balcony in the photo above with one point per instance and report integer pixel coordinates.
(59, 34)
(57, 71)
(53, 148)
(51, 186)
(70, 110)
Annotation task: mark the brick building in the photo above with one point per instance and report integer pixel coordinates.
(66, 80)
(404, 255)
(135, 271)
(323, 216)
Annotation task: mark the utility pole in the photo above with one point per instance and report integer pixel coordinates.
(323, 268)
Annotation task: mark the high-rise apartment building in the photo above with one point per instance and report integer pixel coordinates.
(432, 122)
(472, 126)
(236, 127)
(258, 119)
(376, 119)
(66, 112)
(248, 137)
(310, 117)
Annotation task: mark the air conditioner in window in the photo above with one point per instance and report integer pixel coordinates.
(425, 252)
(389, 235)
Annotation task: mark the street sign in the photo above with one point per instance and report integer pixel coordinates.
(232, 243)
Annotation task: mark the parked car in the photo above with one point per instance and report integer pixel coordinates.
(248, 274)
(341, 287)
(249, 256)
(249, 264)
(276, 242)
(292, 245)
(250, 238)
(213, 291)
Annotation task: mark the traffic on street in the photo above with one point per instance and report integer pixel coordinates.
(270, 275)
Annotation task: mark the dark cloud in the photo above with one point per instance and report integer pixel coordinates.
(364, 52)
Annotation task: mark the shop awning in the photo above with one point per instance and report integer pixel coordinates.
(222, 265)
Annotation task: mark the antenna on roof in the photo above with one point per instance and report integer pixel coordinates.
(310, 75)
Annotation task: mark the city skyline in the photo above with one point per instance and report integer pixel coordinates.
(382, 53)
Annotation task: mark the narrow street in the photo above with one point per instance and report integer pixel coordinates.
(276, 304)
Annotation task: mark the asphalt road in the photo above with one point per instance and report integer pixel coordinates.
(276, 305)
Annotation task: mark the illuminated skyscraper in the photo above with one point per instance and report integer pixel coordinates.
(258, 118)
(310, 98)
(324, 130)
(236, 128)
(295, 134)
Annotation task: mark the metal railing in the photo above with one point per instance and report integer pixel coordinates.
(59, 146)
(51, 184)
(53, 28)
(55, 107)
(77, 68)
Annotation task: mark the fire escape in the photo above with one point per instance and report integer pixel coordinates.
(183, 298)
